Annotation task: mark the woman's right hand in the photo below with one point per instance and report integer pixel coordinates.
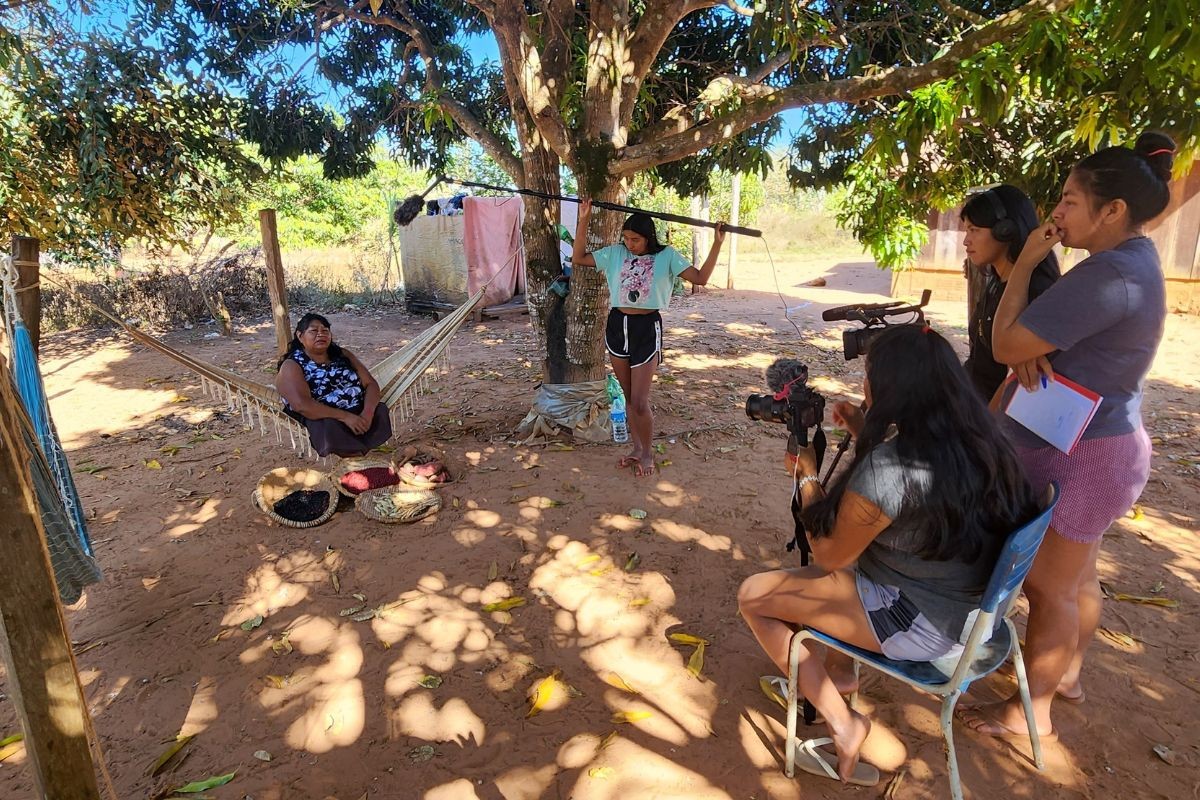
(1039, 244)
(585, 208)
(849, 416)
(1030, 373)
(356, 423)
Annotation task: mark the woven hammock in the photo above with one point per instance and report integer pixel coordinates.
(402, 376)
(58, 499)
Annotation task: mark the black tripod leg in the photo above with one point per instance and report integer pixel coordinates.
(810, 713)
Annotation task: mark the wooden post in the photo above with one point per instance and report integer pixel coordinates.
(36, 648)
(735, 207)
(276, 287)
(29, 293)
(701, 234)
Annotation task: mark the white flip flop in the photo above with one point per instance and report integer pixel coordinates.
(824, 764)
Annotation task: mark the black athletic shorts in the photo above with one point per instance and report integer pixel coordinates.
(637, 337)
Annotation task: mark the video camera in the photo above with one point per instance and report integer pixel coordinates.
(873, 317)
(792, 403)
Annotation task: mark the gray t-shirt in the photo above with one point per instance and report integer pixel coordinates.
(946, 592)
(1106, 317)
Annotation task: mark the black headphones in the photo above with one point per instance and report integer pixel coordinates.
(1004, 229)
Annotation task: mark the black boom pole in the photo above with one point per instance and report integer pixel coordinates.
(700, 223)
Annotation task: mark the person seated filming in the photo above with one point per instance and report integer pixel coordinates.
(905, 541)
(331, 392)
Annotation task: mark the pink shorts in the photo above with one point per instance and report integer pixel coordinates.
(1099, 482)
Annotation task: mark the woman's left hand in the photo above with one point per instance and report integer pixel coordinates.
(803, 463)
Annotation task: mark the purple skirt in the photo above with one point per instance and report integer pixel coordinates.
(1099, 482)
(328, 436)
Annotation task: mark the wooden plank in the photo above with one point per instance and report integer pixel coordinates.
(276, 287)
(25, 254)
(37, 651)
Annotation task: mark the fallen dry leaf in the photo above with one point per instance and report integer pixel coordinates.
(696, 662)
(547, 694)
(631, 716)
(616, 681)
(687, 638)
(504, 605)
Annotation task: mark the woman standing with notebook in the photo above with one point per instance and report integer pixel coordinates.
(1105, 319)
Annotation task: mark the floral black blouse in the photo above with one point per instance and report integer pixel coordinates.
(335, 384)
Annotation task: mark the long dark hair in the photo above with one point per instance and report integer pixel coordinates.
(335, 353)
(643, 225)
(978, 493)
(1139, 176)
(980, 212)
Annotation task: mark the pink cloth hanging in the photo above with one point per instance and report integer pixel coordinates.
(491, 235)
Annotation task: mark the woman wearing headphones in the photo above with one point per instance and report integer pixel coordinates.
(997, 223)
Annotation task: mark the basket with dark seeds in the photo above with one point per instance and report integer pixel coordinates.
(298, 498)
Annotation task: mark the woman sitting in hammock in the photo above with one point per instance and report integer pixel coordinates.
(331, 392)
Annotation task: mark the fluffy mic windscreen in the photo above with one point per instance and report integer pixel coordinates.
(407, 211)
(783, 371)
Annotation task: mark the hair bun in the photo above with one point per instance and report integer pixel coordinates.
(1159, 151)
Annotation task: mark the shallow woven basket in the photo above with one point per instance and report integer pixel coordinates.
(279, 483)
(411, 503)
(353, 465)
(423, 453)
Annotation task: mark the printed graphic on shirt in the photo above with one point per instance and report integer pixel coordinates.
(636, 278)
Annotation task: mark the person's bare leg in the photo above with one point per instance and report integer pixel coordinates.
(774, 603)
(621, 371)
(641, 417)
(841, 671)
(1050, 640)
(1090, 602)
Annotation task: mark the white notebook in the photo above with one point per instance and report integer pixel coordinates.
(1059, 413)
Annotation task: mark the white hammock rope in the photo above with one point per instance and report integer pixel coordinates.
(402, 376)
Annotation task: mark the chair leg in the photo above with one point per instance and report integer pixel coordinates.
(1035, 741)
(789, 747)
(854, 694)
(947, 720)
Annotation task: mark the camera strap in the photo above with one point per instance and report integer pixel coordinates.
(799, 539)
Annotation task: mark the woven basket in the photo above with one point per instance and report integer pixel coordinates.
(279, 483)
(422, 454)
(355, 464)
(410, 504)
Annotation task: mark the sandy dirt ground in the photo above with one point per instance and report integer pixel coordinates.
(343, 715)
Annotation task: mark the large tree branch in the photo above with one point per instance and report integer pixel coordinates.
(955, 10)
(647, 40)
(732, 5)
(410, 25)
(762, 102)
(536, 89)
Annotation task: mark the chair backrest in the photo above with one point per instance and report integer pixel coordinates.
(1016, 559)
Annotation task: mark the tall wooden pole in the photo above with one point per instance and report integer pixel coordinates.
(29, 294)
(735, 208)
(276, 287)
(36, 648)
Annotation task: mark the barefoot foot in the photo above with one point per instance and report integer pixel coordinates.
(849, 741)
(1003, 719)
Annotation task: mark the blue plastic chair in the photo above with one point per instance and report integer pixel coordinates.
(980, 657)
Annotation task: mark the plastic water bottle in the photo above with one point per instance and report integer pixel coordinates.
(616, 412)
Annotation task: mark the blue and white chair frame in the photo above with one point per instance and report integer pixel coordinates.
(982, 654)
